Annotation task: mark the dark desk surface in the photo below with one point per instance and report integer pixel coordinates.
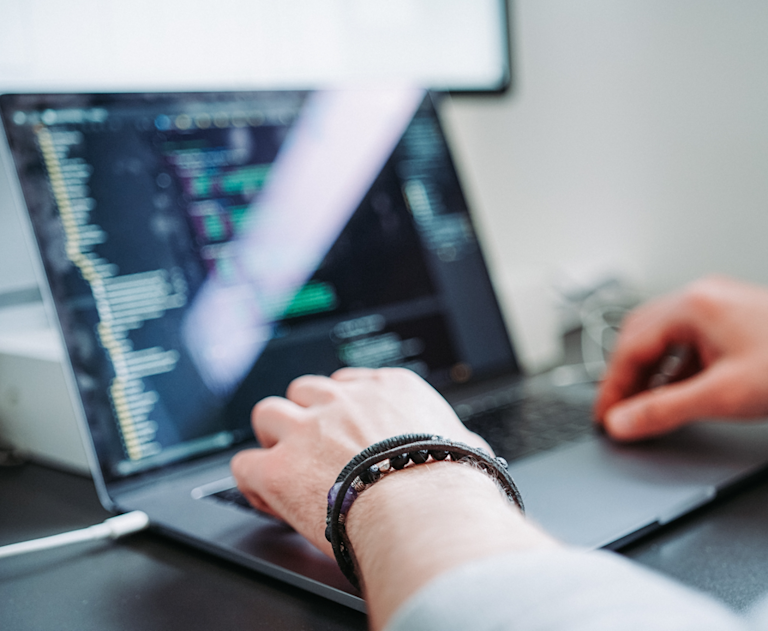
(148, 582)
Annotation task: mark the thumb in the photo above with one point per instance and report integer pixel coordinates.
(657, 411)
(247, 466)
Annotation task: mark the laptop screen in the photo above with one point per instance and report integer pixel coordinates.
(204, 249)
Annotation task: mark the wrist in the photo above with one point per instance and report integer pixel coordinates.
(387, 457)
(422, 521)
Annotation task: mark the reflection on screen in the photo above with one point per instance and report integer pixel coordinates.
(330, 158)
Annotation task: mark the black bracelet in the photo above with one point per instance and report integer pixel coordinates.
(394, 454)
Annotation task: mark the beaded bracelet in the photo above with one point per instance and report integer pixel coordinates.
(394, 454)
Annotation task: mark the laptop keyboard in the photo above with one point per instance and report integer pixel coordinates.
(513, 429)
(532, 425)
(233, 497)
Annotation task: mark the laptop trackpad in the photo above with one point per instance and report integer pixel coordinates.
(596, 492)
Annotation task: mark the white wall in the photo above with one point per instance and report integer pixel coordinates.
(636, 139)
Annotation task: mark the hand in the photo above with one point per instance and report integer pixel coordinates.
(323, 422)
(725, 324)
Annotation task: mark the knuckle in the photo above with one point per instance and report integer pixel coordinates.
(299, 383)
(706, 295)
(399, 374)
(265, 406)
(632, 318)
(633, 329)
(240, 465)
(236, 464)
(346, 371)
(310, 385)
(651, 415)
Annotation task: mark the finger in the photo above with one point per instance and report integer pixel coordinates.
(310, 390)
(258, 503)
(246, 466)
(655, 412)
(272, 418)
(353, 374)
(629, 369)
(643, 342)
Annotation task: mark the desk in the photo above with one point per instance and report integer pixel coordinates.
(149, 582)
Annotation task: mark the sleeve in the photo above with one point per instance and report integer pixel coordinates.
(558, 590)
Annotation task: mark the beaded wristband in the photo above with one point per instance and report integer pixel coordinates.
(390, 455)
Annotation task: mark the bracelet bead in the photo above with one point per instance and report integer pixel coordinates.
(398, 462)
(370, 475)
(386, 457)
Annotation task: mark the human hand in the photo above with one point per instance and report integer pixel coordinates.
(324, 422)
(725, 324)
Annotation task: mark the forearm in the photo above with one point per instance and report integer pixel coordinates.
(440, 534)
(560, 589)
(413, 526)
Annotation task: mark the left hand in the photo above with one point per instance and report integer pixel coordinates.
(722, 322)
(308, 437)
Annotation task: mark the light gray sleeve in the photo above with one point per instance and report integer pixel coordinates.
(560, 589)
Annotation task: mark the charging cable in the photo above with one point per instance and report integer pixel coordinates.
(112, 528)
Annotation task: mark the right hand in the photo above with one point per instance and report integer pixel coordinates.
(725, 323)
(308, 437)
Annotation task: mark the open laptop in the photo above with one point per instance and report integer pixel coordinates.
(201, 250)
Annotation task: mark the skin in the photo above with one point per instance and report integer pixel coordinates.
(724, 324)
(403, 525)
(412, 525)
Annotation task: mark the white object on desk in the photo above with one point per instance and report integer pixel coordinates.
(36, 413)
(112, 528)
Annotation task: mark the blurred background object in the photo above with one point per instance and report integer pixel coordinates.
(632, 145)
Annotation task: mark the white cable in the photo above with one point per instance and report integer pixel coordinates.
(111, 528)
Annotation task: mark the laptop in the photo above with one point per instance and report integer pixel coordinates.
(201, 250)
